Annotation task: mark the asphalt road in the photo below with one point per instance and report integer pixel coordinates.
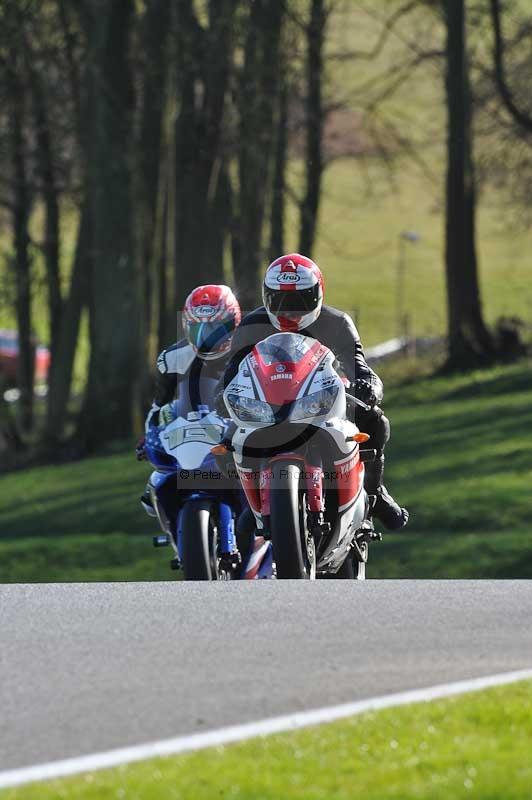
(91, 667)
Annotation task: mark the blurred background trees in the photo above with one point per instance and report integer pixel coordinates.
(148, 147)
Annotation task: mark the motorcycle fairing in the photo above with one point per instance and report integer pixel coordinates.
(190, 442)
(257, 443)
(250, 484)
(158, 484)
(349, 479)
(281, 375)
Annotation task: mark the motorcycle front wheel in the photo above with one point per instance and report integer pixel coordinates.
(200, 544)
(351, 569)
(293, 546)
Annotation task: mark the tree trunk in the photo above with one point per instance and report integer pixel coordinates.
(66, 331)
(258, 92)
(520, 115)
(69, 42)
(21, 213)
(162, 273)
(186, 194)
(279, 175)
(49, 192)
(314, 127)
(112, 387)
(469, 340)
(155, 27)
(60, 379)
(10, 441)
(205, 57)
(220, 214)
(154, 37)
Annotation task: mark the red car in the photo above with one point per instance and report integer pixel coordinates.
(9, 357)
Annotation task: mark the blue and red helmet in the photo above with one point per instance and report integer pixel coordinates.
(210, 316)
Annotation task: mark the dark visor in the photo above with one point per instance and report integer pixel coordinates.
(300, 302)
(208, 336)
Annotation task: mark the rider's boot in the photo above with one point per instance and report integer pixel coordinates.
(386, 509)
(146, 502)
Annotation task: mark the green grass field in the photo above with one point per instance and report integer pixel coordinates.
(79, 521)
(460, 458)
(475, 745)
(359, 251)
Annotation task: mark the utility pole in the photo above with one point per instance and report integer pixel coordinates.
(404, 238)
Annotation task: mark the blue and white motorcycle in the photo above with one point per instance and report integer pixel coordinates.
(196, 504)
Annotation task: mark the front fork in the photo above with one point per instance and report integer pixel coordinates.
(316, 500)
(226, 533)
(313, 477)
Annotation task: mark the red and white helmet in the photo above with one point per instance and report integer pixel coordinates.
(292, 292)
(210, 316)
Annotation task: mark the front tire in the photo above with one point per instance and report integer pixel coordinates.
(347, 570)
(199, 542)
(352, 569)
(293, 550)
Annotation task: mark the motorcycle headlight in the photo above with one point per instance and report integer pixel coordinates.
(250, 410)
(315, 405)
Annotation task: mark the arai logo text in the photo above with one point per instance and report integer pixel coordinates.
(205, 311)
(288, 277)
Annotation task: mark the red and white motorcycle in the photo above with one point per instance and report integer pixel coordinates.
(299, 459)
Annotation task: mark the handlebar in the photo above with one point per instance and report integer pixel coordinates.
(361, 404)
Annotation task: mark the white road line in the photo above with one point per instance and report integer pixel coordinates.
(238, 733)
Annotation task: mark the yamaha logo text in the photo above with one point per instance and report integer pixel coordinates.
(283, 376)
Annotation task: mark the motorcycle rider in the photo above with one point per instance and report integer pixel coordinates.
(210, 316)
(293, 292)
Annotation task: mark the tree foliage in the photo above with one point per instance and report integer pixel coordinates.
(166, 130)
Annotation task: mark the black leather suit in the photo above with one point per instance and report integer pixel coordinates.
(335, 330)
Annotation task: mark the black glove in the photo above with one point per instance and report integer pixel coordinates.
(365, 392)
(140, 450)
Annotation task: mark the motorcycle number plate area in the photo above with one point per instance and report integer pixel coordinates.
(181, 432)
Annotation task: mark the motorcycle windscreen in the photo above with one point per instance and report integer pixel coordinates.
(285, 348)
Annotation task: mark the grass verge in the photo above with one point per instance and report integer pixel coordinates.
(460, 459)
(77, 522)
(475, 745)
